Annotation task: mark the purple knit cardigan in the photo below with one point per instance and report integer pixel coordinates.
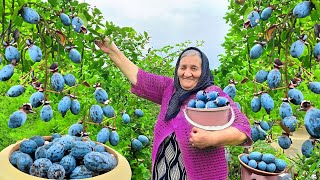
(205, 164)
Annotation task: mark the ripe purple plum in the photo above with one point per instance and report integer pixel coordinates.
(12, 53)
(65, 19)
(37, 99)
(75, 107)
(302, 9)
(103, 135)
(114, 138)
(266, 13)
(57, 82)
(6, 72)
(75, 56)
(69, 80)
(35, 53)
(46, 113)
(16, 91)
(30, 15)
(256, 51)
(64, 105)
(96, 113)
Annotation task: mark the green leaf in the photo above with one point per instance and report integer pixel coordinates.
(244, 9)
(96, 11)
(247, 12)
(48, 40)
(94, 32)
(87, 15)
(314, 16)
(317, 4)
(53, 2)
(84, 19)
(16, 12)
(21, 2)
(283, 35)
(313, 166)
(10, 8)
(18, 22)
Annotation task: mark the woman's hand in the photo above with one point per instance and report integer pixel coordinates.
(202, 139)
(106, 46)
(126, 66)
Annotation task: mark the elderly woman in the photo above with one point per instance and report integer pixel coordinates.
(181, 151)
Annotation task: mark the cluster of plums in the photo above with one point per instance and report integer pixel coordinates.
(211, 99)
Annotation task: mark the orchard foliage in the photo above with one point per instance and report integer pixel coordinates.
(275, 54)
(267, 51)
(52, 44)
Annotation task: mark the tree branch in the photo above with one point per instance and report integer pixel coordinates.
(3, 18)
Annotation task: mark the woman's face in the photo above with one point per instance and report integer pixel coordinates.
(189, 71)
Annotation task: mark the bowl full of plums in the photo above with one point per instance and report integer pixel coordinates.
(264, 164)
(62, 157)
(209, 111)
